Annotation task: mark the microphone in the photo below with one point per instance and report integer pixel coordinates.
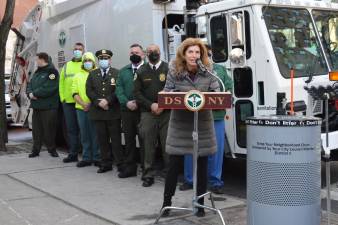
(204, 69)
(201, 65)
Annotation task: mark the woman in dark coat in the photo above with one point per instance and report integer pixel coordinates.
(184, 75)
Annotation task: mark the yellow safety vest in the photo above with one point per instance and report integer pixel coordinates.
(67, 75)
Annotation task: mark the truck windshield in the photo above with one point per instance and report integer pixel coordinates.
(294, 42)
(327, 24)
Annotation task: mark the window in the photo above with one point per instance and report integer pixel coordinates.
(244, 109)
(243, 84)
(327, 24)
(240, 32)
(294, 42)
(219, 41)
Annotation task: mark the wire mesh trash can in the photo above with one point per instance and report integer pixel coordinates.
(283, 170)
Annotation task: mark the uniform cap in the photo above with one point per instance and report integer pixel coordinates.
(104, 52)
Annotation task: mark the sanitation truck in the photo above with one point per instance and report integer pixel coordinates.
(262, 43)
(55, 26)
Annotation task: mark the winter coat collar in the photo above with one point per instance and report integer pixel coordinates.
(183, 75)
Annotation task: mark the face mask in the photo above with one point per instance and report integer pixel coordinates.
(104, 63)
(153, 57)
(77, 54)
(88, 65)
(135, 59)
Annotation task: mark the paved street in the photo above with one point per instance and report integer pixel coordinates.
(44, 191)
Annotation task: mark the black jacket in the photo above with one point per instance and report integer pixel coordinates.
(98, 88)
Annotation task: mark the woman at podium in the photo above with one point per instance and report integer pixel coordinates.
(185, 75)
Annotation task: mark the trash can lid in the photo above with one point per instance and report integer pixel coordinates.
(283, 121)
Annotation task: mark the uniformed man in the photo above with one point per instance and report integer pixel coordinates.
(150, 80)
(65, 90)
(42, 90)
(105, 110)
(130, 112)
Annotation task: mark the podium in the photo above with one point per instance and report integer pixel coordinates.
(194, 101)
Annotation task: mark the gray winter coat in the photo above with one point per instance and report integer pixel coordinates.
(181, 123)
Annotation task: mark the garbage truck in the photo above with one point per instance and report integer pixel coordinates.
(55, 26)
(262, 44)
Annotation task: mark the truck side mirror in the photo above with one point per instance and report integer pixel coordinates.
(237, 56)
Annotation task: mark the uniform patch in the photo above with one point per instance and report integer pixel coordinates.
(112, 81)
(162, 77)
(52, 76)
(135, 76)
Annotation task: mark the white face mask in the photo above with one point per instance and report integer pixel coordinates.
(104, 63)
(77, 54)
(88, 65)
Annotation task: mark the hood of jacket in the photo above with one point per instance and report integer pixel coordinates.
(90, 56)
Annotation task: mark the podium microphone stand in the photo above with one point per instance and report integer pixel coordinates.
(194, 101)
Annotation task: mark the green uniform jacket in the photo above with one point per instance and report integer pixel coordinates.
(222, 74)
(67, 75)
(125, 86)
(99, 88)
(44, 85)
(148, 84)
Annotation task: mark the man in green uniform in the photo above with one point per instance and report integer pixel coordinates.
(105, 110)
(130, 113)
(42, 90)
(67, 75)
(150, 80)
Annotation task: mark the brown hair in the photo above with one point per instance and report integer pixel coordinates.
(136, 45)
(44, 56)
(180, 62)
(80, 44)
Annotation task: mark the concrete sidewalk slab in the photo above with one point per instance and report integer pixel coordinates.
(43, 211)
(122, 201)
(16, 163)
(11, 189)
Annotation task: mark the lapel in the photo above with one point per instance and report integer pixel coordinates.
(108, 74)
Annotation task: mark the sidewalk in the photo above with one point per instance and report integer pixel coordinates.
(45, 191)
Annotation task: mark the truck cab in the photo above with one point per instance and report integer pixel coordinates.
(260, 42)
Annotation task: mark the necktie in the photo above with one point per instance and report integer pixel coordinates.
(134, 70)
(154, 67)
(104, 74)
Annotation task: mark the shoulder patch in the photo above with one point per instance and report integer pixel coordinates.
(52, 76)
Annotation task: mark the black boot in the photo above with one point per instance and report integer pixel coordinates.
(166, 202)
(70, 159)
(53, 153)
(200, 212)
(33, 154)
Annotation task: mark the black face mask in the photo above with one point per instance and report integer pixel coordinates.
(154, 57)
(135, 59)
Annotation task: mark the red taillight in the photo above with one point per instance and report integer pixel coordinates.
(337, 105)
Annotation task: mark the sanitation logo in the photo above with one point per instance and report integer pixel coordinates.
(194, 100)
(62, 39)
